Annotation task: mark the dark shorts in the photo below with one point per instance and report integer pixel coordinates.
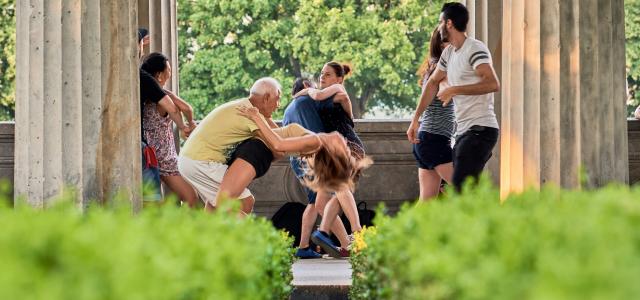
(433, 150)
(471, 152)
(256, 153)
(298, 165)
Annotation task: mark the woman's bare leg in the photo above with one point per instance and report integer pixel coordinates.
(182, 189)
(429, 184)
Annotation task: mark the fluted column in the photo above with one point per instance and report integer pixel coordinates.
(143, 18)
(563, 93)
(77, 112)
(164, 39)
(485, 24)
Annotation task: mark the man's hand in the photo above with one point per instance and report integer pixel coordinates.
(446, 95)
(185, 131)
(412, 132)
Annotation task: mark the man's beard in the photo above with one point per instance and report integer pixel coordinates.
(444, 36)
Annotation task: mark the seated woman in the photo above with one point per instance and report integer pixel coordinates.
(158, 130)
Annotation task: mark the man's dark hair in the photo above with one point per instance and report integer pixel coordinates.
(142, 32)
(457, 13)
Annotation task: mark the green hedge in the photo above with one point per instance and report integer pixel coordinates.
(550, 244)
(165, 253)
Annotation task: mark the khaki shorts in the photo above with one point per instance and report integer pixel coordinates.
(205, 177)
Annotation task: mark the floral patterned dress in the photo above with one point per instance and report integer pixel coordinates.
(158, 131)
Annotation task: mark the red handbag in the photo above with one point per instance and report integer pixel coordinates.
(150, 157)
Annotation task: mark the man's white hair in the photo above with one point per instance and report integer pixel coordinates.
(265, 85)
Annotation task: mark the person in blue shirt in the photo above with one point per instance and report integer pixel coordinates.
(303, 110)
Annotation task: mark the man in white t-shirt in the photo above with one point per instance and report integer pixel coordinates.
(467, 65)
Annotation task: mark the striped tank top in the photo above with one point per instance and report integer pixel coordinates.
(437, 119)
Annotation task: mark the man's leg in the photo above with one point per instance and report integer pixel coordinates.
(471, 153)
(238, 177)
(326, 204)
(251, 159)
(321, 237)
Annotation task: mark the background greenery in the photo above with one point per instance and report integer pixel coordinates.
(7, 59)
(550, 244)
(632, 33)
(166, 253)
(224, 45)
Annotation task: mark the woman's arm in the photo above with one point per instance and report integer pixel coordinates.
(174, 114)
(183, 106)
(302, 144)
(323, 94)
(345, 102)
(271, 123)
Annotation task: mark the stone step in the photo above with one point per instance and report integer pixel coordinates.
(321, 279)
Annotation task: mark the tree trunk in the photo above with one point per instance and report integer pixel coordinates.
(295, 66)
(360, 103)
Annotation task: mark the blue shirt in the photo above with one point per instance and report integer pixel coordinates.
(304, 111)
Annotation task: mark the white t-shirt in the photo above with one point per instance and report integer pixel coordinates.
(460, 65)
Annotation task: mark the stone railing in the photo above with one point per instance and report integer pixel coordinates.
(392, 179)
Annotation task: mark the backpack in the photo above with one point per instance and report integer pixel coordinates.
(289, 218)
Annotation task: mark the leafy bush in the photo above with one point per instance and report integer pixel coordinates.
(166, 253)
(548, 244)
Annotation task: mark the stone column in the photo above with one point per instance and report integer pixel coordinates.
(485, 24)
(163, 30)
(77, 112)
(563, 93)
(143, 18)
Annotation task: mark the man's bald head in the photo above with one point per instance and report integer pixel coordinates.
(265, 95)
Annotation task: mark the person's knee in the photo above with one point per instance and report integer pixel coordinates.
(247, 204)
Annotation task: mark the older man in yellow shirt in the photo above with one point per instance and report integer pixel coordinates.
(222, 157)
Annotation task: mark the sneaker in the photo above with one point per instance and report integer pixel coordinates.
(344, 253)
(307, 253)
(325, 242)
(351, 239)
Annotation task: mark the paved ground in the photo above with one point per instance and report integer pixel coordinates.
(318, 272)
(321, 279)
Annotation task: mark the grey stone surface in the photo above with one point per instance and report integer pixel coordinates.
(322, 272)
(321, 279)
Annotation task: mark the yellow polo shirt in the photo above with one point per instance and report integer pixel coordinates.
(218, 135)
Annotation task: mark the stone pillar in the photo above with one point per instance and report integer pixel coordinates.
(155, 25)
(77, 112)
(485, 24)
(563, 93)
(143, 18)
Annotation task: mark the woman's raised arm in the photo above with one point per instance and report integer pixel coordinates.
(323, 94)
(301, 144)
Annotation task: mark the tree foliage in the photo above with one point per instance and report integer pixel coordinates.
(225, 45)
(7, 59)
(632, 33)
